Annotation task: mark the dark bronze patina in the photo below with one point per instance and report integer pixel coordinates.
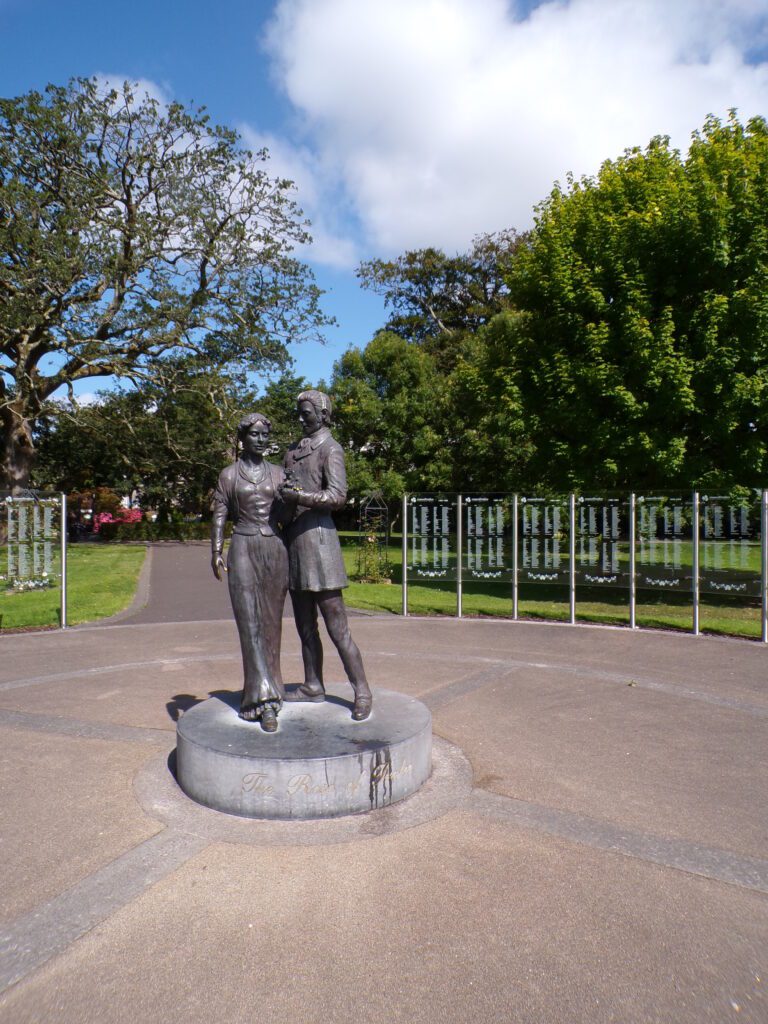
(248, 492)
(284, 536)
(315, 486)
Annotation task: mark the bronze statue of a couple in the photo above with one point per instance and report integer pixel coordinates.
(284, 538)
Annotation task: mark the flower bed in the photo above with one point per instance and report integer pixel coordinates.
(122, 515)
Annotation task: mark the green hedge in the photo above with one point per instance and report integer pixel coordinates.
(146, 531)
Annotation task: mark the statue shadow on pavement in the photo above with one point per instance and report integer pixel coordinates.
(182, 702)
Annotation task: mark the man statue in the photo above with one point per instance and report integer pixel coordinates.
(316, 486)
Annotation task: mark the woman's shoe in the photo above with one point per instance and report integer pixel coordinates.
(269, 720)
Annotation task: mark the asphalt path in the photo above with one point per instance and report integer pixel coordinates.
(177, 585)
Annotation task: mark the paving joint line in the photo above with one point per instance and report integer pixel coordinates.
(100, 670)
(80, 729)
(33, 939)
(441, 696)
(682, 855)
(505, 667)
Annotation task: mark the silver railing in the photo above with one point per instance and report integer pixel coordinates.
(677, 542)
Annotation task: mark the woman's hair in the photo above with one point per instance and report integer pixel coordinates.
(248, 421)
(318, 398)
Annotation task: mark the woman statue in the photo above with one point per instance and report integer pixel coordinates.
(257, 567)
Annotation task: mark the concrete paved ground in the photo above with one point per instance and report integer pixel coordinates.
(592, 847)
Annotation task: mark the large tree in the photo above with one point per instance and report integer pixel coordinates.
(438, 299)
(395, 396)
(641, 352)
(623, 342)
(390, 409)
(166, 440)
(131, 231)
(278, 402)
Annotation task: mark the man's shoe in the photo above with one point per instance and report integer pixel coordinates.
(306, 694)
(363, 705)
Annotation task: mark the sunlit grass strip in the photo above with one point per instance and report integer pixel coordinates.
(434, 600)
(735, 617)
(102, 582)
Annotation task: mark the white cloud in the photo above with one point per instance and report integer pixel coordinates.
(439, 119)
(88, 398)
(141, 87)
(317, 193)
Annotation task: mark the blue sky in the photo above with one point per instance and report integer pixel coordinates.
(407, 123)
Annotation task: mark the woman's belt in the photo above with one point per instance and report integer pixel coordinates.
(254, 529)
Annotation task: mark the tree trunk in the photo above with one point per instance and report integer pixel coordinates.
(18, 452)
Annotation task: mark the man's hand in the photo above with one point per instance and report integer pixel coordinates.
(289, 493)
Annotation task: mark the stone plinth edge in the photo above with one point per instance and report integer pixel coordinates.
(319, 764)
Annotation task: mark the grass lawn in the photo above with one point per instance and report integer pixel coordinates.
(723, 615)
(103, 577)
(102, 581)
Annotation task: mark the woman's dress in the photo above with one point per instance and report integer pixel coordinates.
(257, 574)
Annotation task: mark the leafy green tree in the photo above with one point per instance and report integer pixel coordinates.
(642, 353)
(436, 300)
(390, 409)
(496, 445)
(128, 232)
(279, 403)
(167, 439)
(404, 408)
(623, 342)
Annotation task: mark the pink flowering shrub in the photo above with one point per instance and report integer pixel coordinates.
(121, 515)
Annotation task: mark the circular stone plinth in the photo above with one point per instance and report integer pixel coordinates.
(319, 764)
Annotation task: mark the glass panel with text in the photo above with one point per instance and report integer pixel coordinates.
(730, 543)
(431, 538)
(544, 539)
(602, 541)
(488, 538)
(30, 542)
(664, 532)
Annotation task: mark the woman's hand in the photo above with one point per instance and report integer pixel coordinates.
(217, 564)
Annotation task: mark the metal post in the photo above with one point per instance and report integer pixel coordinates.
(515, 591)
(63, 540)
(695, 567)
(632, 566)
(764, 560)
(405, 554)
(458, 557)
(572, 557)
